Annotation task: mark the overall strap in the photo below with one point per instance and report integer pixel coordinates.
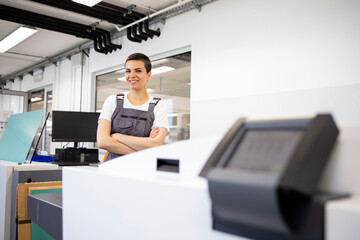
(120, 100)
(153, 103)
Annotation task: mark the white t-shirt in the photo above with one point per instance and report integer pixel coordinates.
(160, 110)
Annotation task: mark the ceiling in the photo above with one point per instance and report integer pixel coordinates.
(48, 46)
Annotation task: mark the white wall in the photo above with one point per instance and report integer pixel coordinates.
(255, 58)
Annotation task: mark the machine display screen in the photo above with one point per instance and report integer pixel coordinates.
(265, 150)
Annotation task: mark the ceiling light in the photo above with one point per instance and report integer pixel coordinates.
(162, 70)
(161, 61)
(155, 71)
(88, 3)
(16, 37)
(35, 99)
(121, 71)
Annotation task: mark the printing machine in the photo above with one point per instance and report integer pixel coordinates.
(259, 181)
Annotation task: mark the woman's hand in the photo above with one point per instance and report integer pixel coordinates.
(107, 141)
(156, 138)
(154, 132)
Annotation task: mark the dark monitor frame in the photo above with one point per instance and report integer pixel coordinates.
(262, 204)
(71, 117)
(313, 149)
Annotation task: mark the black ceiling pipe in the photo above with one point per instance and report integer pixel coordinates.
(103, 39)
(131, 38)
(108, 39)
(132, 14)
(104, 13)
(141, 31)
(135, 34)
(102, 43)
(148, 30)
(117, 14)
(54, 24)
(97, 48)
(41, 21)
(30, 19)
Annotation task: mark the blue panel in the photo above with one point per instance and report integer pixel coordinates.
(18, 135)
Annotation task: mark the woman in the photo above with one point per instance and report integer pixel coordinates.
(134, 121)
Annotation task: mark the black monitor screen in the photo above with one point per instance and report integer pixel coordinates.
(265, 150)
(74, 126)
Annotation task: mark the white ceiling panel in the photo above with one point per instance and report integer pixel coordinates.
(11, 63)
(46, 43)
(6, 28)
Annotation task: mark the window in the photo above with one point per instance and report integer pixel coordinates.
(11, 102)
(36, 100)
(42, 99)
(170, 81)
(48, 130)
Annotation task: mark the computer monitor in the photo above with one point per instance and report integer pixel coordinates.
(68, 126)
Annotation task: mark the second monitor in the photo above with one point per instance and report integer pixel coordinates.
(75, 127)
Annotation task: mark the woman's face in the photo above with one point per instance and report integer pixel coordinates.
(136, 75)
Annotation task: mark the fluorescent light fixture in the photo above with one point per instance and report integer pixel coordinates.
(162, 69)
(35, 99)
(88, 3)
(120, 71)
(154, 71)
(158, 62)
(16, 37)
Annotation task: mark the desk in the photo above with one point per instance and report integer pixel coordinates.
(46, 211)
(128, 199)
(10, 175)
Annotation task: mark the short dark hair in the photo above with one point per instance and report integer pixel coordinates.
(140, 57)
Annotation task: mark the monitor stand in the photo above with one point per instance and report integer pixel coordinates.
(73, 156)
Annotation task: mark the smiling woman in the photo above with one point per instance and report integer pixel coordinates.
(133, 121)
(169, 80)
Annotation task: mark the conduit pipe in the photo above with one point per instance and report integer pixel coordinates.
(135, 37)
(141, 31)
(102, 42)
(131, 38)
(148, 30)
(135, 34)
(133, 15)
(47, 23)
(104, 11)
(179, 4)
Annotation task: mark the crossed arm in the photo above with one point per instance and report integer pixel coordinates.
(124, 144)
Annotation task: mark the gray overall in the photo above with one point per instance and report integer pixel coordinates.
(131, 121)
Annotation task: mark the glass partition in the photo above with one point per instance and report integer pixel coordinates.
(11, 102)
